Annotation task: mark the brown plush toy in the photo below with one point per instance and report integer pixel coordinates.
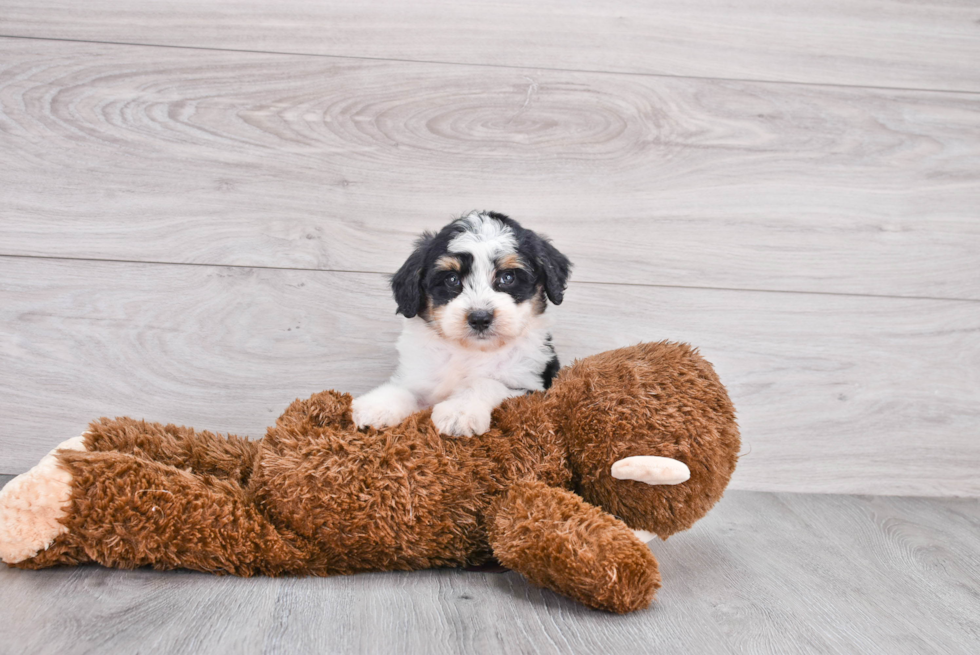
(629, 442)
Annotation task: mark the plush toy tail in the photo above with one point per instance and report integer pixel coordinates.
(559, 541)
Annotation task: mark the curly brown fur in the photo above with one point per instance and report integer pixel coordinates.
(205, 453)
(656, 398)
(317, 496)
(560, 542)
(402, 498)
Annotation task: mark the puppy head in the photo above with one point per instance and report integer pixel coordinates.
(480, 280)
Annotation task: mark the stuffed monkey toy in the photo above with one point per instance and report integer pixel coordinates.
(565, 488)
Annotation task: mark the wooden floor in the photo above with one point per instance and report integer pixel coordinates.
(762, 573)
(200, 203)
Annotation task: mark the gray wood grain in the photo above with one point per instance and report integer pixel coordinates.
(230, 346)
(918, 44)
(251, 176)
(780, 573)
(835, 393)
(157, 154)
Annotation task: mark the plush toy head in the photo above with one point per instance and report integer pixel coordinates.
(653, 399)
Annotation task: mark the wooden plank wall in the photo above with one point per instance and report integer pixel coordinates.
(923, 44)
(199, 205)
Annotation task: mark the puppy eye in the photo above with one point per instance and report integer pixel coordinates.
(506, 278)
(452, 280)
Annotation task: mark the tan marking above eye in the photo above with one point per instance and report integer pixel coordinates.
(448, 263)
(509, 262)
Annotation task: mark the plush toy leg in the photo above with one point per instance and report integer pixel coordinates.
(32, 506)
(127, 512)
(202, 452)
(559, 541)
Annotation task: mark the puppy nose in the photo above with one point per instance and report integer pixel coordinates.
(480, 319)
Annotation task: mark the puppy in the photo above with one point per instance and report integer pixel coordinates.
(475, 333)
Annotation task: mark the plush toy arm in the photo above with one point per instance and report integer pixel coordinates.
(559, 541)
(203, 452)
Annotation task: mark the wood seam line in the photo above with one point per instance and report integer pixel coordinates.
(590, 282)
(500, 66)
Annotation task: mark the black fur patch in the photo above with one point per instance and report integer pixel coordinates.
(408, 283)
(523, 288)
(552, 368)
(435, 281)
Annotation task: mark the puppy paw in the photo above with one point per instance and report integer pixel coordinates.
(461, 418)
(385, 406)
(32, 506)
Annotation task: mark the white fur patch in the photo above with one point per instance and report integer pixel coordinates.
(485, 238)
(432, 369)
(32, 504)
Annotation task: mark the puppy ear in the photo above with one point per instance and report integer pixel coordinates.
(406, 283)
(553, 265)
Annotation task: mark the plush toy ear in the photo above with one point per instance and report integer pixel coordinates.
(553, 265)
(406, 283)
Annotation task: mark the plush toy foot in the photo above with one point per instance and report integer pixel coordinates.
(651, 470)
(32, 504)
